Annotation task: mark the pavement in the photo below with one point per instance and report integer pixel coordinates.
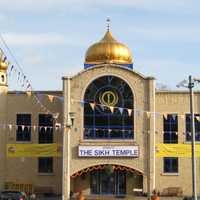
(111, 198)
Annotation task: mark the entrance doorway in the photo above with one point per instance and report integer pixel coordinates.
(108, 183)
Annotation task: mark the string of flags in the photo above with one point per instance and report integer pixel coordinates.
(138, 112)
(21, 77)
(57, 126)
(60, 127)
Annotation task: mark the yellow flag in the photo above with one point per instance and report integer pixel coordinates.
(197, 118)
(176, 150)
(28, 93)
(51, 97)
(34, 128)
(34, 150)
(92, 105)
(148, 114)
(165, 115)
(112, 108)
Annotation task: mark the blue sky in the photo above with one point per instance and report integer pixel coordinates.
(49, 38)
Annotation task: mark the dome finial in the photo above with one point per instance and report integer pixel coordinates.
(108, 23)
(1, 54)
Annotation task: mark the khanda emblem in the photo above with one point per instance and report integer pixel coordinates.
(109, 98)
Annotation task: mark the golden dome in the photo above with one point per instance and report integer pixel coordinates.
(108, 50)
(3, 64)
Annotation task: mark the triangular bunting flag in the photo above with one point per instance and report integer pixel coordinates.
(51, 97)
(174, 116)
(121, 110)
(92, 105)
(10, 126)
(197, 118)
(28, 93)
(23, 127)
(148, 114)
(165, 115)
(129, 112)
(111, 109)
(34, 128)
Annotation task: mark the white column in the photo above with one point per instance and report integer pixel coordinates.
(151, 138)
(66, 140)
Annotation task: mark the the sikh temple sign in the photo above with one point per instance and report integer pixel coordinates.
(108, 151)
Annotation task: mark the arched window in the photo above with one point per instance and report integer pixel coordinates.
(110, 118)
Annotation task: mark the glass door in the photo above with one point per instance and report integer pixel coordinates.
(108, 184)
(120, 183)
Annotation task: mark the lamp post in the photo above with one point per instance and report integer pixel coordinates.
(190, 86)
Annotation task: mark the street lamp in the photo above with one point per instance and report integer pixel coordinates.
(190, 84)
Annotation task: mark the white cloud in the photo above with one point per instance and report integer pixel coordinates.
(44, 39)
(167, 71)
(34, 39)
(39, 5)
(178, 33)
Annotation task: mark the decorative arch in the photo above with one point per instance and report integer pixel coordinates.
(103, 166)
(108, 109)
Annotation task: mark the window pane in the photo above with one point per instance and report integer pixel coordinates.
(188, 127)
(45, 128)
(170, 165)
(170, 127)
(100, 122)
(45, 165)
(23, 131)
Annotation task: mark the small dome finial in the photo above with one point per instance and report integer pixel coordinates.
(1, 54)
(108, 23)
(3, 61)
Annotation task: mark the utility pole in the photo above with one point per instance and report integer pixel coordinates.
(190, 86)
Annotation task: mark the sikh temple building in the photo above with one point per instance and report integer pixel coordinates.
(109, 131)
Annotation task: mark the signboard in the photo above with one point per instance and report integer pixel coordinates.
(108, 151)
(34, 150)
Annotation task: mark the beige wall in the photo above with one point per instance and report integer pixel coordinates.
(25, 169)
(142, 91)
(178, 103)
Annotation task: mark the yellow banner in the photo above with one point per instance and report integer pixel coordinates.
(34, 150)
(176, 150)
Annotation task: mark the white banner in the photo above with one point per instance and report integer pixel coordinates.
(108, 151)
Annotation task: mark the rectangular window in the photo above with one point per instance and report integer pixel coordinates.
(188, 126)
(170, 127)
(45, 165)
(23, 130)
(170, 165)
(45, 128)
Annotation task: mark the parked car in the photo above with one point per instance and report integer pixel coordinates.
(13, 195)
